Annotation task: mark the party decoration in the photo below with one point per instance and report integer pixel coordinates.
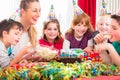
(77, 9)
(16, 15)
(104, 10)
(51, 13)
(59, 71)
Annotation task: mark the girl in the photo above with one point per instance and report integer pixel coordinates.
(79, 34)
(29, 14)
(52, 35)
(114, 48)
(10, 33)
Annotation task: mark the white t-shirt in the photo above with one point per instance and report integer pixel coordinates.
(24, 40)
(4, 58)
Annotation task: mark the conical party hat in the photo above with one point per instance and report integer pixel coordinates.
(51, 13)
(104, 10)
(77, 9)
(16, 15)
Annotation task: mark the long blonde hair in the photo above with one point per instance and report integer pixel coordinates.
(32, 33)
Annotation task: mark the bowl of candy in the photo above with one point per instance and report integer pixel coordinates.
(47, 52)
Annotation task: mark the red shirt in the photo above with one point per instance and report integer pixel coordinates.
(58, 45)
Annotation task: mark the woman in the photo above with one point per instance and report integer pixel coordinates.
(29, 14)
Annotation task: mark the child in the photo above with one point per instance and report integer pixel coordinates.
(52, 35)
(114, 48)
(10, 33)
(103, 25)
(79, 34)
(101, 35)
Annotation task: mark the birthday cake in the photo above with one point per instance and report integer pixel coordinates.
(79, 55)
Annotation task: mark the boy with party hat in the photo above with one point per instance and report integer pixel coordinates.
(114, 48)
(103, 23)
(101, 35)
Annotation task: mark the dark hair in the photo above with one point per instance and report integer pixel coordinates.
(25, 3)
(116, 17)
(6, 25)
(58, 26)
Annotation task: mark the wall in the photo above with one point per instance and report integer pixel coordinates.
(63, 10)
(112, 7)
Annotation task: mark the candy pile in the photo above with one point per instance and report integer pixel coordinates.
(58, 71)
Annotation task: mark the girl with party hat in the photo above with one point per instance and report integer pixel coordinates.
(79, 34)
(52, 35)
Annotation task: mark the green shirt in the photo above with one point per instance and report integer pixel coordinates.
(117, 46)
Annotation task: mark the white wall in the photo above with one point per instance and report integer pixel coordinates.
(63, 10)
(112, 6)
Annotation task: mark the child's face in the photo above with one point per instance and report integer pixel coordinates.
(14, 35)
(103, 24)
(51, 31)
(80, 29)
(115, 31)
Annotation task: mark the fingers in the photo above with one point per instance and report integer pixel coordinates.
(99, 38)
(23, 62)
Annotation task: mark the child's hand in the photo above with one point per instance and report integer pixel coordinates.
(102, 47)
(88, 48)
(99, 38)
(32, 56)
(26, 49)
(51, 47)
(23, 62)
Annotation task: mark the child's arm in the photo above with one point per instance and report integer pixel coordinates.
(66, 45)
(112, 52)
(89, 45)
(20, 55)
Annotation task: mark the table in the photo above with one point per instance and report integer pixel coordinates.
(101, 78)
